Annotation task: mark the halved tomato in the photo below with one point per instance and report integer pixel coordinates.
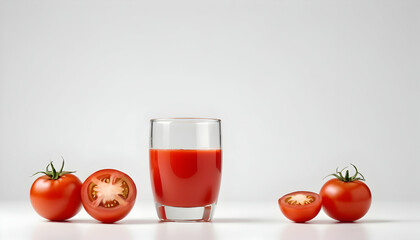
(108, 195)
(300, 206)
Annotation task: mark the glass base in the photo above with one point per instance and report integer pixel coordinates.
(183, 214)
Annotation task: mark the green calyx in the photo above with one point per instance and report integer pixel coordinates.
(53, 173)
(346, 177)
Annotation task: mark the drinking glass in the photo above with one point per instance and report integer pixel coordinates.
(185, 167)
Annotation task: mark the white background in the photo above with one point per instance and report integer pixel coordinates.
(302, 87)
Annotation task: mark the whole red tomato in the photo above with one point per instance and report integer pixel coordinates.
(346, 198)
(108, 195)
(56, 195)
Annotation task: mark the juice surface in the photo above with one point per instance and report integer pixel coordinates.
(185, 178)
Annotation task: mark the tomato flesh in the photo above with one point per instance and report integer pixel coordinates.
(108, 195)
(300, 206)
(108, 192)
(300, 199)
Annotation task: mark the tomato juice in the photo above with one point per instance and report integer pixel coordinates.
(185, 178)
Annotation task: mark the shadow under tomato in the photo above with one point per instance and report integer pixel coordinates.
(107, 231)
(299, 231)
(84, 221)
(43, 230)
(358, 222)
(122, 222)
(384, 221)
(345, 231)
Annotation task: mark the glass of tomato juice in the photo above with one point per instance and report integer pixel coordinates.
(185, 167)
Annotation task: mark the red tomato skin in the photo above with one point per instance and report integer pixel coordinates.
(345, 201)
(108, 215)
(56, 200)
(300, 213)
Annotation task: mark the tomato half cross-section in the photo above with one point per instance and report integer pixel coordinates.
(108, 195)
(300, 206)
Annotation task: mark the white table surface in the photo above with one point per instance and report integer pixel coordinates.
(231, 221)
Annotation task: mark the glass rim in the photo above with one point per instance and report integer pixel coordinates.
(185, 119)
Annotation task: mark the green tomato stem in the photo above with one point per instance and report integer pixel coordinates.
(346, 177)
(53, 173)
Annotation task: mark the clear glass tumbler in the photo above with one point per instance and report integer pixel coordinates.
(185, 167)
